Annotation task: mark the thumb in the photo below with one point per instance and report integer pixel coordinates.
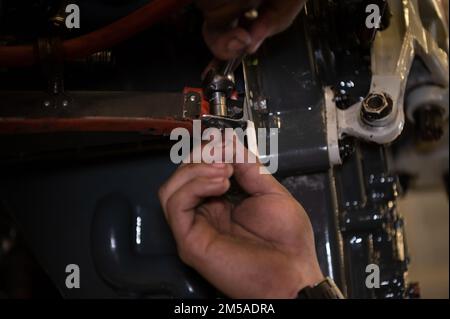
(248, 174)
(226, 45)
(180, 208)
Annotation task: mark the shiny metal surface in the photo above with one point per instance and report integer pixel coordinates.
(104, 217)
(392, 57)
(352, 206)
(281, 76)
(130, 256)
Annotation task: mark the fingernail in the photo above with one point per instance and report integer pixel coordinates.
(230, 171)
(217, 180)
(218, 165)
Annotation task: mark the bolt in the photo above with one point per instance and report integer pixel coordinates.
(47, 103)
(376, 106)
(430, 123)
(193, 98)
(261, 105)
(347, 147)
(65, 103)
(252, 14)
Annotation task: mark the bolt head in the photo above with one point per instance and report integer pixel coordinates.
(261, 104)
(346, 147)
(430, 123)
(376, 106)
(252, 14)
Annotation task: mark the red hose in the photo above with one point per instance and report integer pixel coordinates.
(109, 36)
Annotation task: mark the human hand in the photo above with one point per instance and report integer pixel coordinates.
(228, 41)
(261, 248)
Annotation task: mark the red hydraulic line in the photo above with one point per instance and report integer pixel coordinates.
(106, 37)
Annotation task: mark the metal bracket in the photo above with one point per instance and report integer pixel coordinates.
(50, 55)
(393, 53)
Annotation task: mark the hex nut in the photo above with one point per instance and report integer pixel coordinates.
(376, 106)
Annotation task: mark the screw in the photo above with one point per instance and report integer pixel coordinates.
(430, 123)
(252, 14)
(193, 98)
(47, 103)
(347, 147)
(376, 106)
(65, 103)
(261, 105)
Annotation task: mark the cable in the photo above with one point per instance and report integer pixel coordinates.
(109, 36)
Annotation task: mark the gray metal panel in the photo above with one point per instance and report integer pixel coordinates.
(294, 102)
(55, 207)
